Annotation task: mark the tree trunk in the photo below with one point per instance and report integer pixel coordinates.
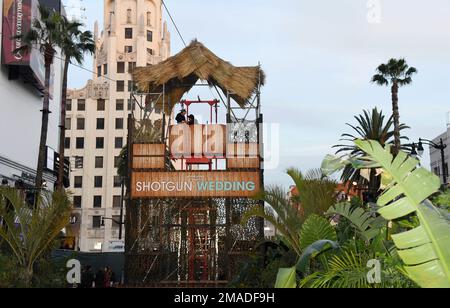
(62, 127)
(374, 185)
(28, 279)
(396, 116)
(45, 115)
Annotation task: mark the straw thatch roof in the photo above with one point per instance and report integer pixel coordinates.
(196, 62)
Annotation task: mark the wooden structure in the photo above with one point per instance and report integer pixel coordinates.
(183, 220)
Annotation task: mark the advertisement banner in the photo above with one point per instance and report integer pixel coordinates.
(18, 16)
(182, 184)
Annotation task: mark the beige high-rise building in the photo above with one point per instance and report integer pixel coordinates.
(133, 35)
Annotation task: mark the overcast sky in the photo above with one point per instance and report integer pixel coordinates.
(319, 56)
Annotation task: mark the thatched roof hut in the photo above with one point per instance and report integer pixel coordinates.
(196, 62)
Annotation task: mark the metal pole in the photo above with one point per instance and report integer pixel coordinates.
(444, 170)
(121, 208)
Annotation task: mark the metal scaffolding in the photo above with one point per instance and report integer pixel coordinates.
(188, 242)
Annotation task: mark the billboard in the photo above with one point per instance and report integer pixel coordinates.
(195, 184)
(17, 20)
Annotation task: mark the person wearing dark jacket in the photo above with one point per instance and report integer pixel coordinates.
(87, 277)
(181, 117)
(100, 279)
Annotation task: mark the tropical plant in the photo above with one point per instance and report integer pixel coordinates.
(261, 268)
(425, 250)
(316, 237)
(280, 213)
(74, 45)
(45, 35)
(397, 73)
(362, 222)
(31, 232)
(371, 125)
(316, 191)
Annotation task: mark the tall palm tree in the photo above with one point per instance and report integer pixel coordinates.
(397, 73)
(371, 125)
(74, 45)
(45, 35)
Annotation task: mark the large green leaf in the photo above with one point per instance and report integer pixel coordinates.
(313, 251)
(286, 278)
(314, 229)
(424, 250)
(366, 226)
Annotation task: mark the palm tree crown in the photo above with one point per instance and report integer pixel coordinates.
(371, 125)
(395, 71)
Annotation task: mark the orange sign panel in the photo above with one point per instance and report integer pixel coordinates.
(203, 184)
(149, 156)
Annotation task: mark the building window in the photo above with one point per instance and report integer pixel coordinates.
(120, 86)
(80, 123)
(116, 161)
(100, 142)
(99, 71)
(80, 143)
(129, 16)
(99, 162)
(98, 182)
(78, 182)
(119, 104)
(119, 123)
(68, 124)
(100, 105)
(117, 181)
(149, 19)
(100, 123)
(149, 36)
(128, 33)
(96, 222)
(97, 202)
(77, 202)
(131, 87)
(116, 222)
(69, 105)
(128, 49)
(105, 69)
(131, 66)
(81, 105)
(116, 201)
(120, 67)
(79, 162)
(118, 142)
(150, 51)
(129, 105)
(67, 143)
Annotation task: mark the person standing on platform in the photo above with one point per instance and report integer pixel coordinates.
(181, 117)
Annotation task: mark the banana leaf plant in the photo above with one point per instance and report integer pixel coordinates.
(425, 250)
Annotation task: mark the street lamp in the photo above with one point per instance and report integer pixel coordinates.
(438, 146)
